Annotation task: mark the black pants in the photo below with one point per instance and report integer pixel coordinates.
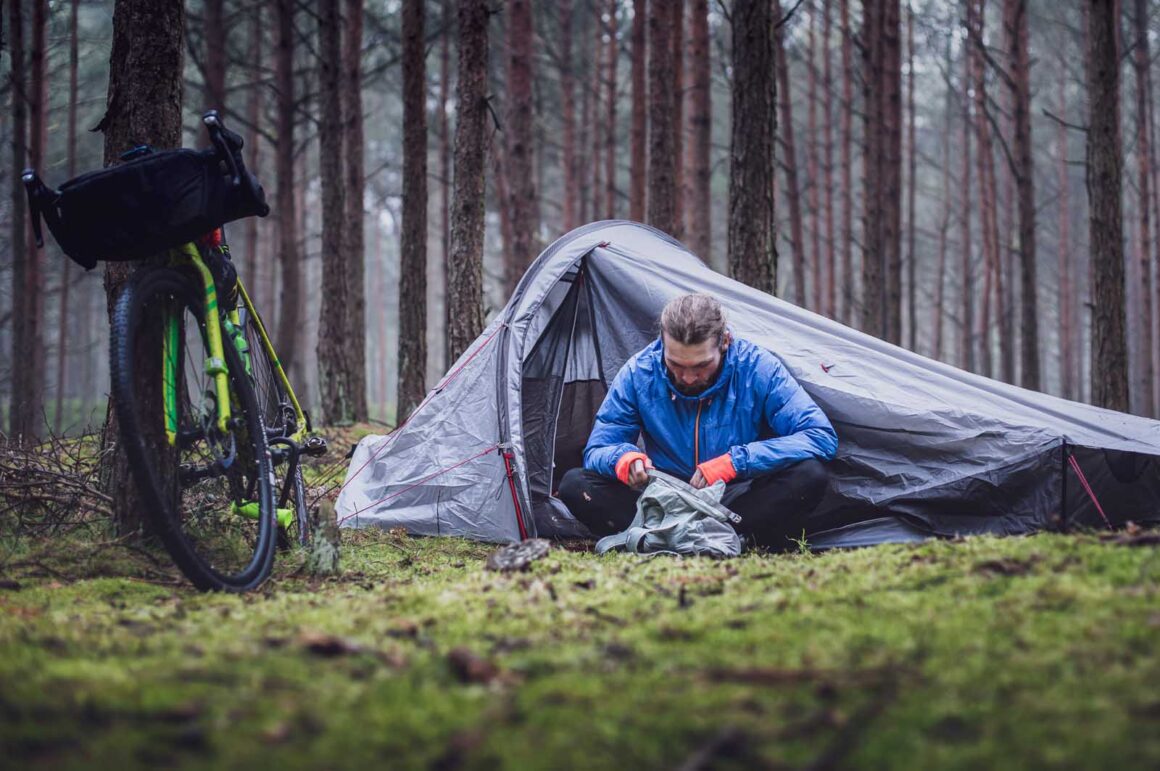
(775, 508)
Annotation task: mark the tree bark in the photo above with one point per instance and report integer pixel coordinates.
(254, 111)
(938, 322)
(354, 242)
(701, 123)
(335, 350)
(966, 265)
(638, 176)
(18, 423)
(610, 115)
(912, 186)
(813, 172)
(214, 26)
(465, 276)
(1142, 62)
(984, 163)
(752, 242)
(568, 110)
(289, 318)
(518, 160)
(65, 308)
(830, 297)
(661, 162)
(143, 106)
(677, 21)
(1068, 359)
(445, 173)
(413, 251)
(847, 164)
(793, 196)
(1109, 382)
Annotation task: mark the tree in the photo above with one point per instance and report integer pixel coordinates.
(568, 107)
(785, 102)
(752, 245)
(847, 164)
(413, 249)
(677, 38)
(1109, 380)
(1142, 62)
(911, 187)
(465, 275)
(813, 173)
(637, 175)
(966, 265)
(353, 242)
(830, 307)
(661, 98)
(445, 171)
(335, 355)
(65, 310)
(1069, 381)
(254, 111)
(215, 55)
(698, 210)
(518, 161)
(882, 171)
(610, 115)
(17, 412)
(143, 106)
(289, 316)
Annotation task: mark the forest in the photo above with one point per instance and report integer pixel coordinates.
(973, 181)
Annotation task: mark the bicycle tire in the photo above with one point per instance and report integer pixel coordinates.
(186, 490)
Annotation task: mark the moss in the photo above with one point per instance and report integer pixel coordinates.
(979, 653)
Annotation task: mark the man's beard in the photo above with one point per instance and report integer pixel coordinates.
(694, 390)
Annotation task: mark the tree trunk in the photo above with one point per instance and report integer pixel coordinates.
(610, 115)
(891, 128)
(793, 196)
(1144, 159)
(465, 276)
(752, 240)
(413, 249)
(289, 319)
(938, 321)
(518, 129)
(966, 266)
(700, 121)
(830, 296)
(1067, 374)
(1109, 381)
(335, 349)
(18, 423)
(813, 174)
(66, 310)
(445, 175)
(143, 107)
(254, 111)
(595, 167)
(912, 186)
(847, 164)
(1025, 183)
(677, 20)
(984, 168)
(31, 344)
(637, 177)
(354, 242)
(568, 108)
(214, 29)
(661, 163)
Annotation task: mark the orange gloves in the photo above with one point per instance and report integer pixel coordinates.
(719, 468)
(625, 463)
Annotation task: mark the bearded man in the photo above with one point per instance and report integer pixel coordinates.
(709, 408)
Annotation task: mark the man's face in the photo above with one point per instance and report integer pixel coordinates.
(693, 368)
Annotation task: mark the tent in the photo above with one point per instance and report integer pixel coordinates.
(925, 449)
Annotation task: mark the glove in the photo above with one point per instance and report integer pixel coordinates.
(625, 463)
(718, 469)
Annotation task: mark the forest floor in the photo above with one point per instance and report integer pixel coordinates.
(976, 653)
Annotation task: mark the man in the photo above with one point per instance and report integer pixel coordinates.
(709, 408)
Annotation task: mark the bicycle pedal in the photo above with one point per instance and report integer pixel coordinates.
(314, 446)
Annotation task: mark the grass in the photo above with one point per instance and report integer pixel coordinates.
(980, 653)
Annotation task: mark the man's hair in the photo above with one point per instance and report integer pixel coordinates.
(692, 319)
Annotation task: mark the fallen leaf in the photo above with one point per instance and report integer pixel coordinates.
(470, 667)
(328, 645)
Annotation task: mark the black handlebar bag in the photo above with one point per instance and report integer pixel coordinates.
(154, 202)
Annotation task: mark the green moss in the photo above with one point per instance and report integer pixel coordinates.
(979, 653)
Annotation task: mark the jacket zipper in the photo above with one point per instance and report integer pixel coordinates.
(697, 435)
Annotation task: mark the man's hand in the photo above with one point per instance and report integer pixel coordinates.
(637, 475)
(698, 480)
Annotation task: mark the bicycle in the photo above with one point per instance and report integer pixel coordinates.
(226, 416)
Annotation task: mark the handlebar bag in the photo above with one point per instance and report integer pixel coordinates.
(157, 201)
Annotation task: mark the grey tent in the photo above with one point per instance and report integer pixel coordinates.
(925, 449)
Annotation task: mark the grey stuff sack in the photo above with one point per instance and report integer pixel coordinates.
(674, 517)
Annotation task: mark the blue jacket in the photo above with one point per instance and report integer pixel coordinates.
(755, 411)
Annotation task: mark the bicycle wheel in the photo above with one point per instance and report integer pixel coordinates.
(281, 421)
(209, 493)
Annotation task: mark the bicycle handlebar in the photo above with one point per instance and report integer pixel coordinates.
(229, 147)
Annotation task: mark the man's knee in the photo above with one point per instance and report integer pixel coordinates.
(572, 486)
(808, 479)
